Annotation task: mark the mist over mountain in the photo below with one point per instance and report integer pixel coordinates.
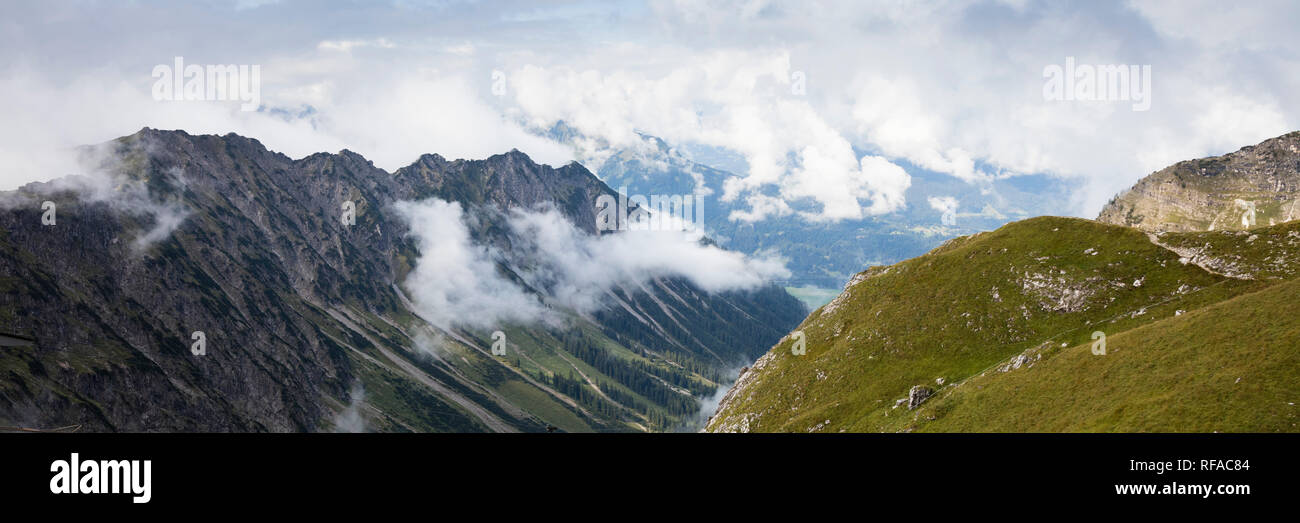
(200, 282)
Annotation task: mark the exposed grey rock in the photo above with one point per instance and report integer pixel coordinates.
(917, 396)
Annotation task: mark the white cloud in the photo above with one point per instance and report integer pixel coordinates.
(348, 45)
(101, 183)
(738, 100)
(455, 282)
(579, 268)
(953, 87)
(350, 420)
(1260, 25)
(392, 123)
(943, 204)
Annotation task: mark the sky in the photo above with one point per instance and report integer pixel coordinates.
(826, 102)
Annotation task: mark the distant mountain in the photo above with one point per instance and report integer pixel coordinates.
(1255, 186)
(820, 254)
(308, 323)
(1061, 324)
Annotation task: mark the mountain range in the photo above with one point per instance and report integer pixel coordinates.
(206, 283)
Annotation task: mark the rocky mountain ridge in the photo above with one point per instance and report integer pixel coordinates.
(304, 318)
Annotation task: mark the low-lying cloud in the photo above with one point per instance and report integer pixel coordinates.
(101, 181)
(803, 95)
(456, 282)
(350, 419)
(579, 268)
(748, 102)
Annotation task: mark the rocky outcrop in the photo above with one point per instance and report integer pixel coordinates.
(1256, 186)
(917, 396)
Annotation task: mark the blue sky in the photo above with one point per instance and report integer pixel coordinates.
(830, 102)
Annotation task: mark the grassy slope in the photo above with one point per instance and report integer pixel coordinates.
(1219, 368)
(936, 316)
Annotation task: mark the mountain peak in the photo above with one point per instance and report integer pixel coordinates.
(1255, 186)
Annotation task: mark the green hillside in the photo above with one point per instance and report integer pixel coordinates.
(1230, 366)
(1017, 298)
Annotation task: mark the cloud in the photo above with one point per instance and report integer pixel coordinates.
(578, 269)
(943, 204)
(955, 87)
(166, 219)
(432, 345)
(709, 404)
(100, 180)
(1263, 25)
(325, 103)
(738, 100)
(350, 420)
(347, 45)
(947, 207)
(456, 283)
(952, 87)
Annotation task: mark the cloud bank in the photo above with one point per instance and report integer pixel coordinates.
(98, 181)
(579, 269)
(456, 283)
(829, 106)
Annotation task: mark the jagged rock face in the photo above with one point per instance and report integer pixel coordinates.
(509, 180)
(1253, 187)
(292, 303)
